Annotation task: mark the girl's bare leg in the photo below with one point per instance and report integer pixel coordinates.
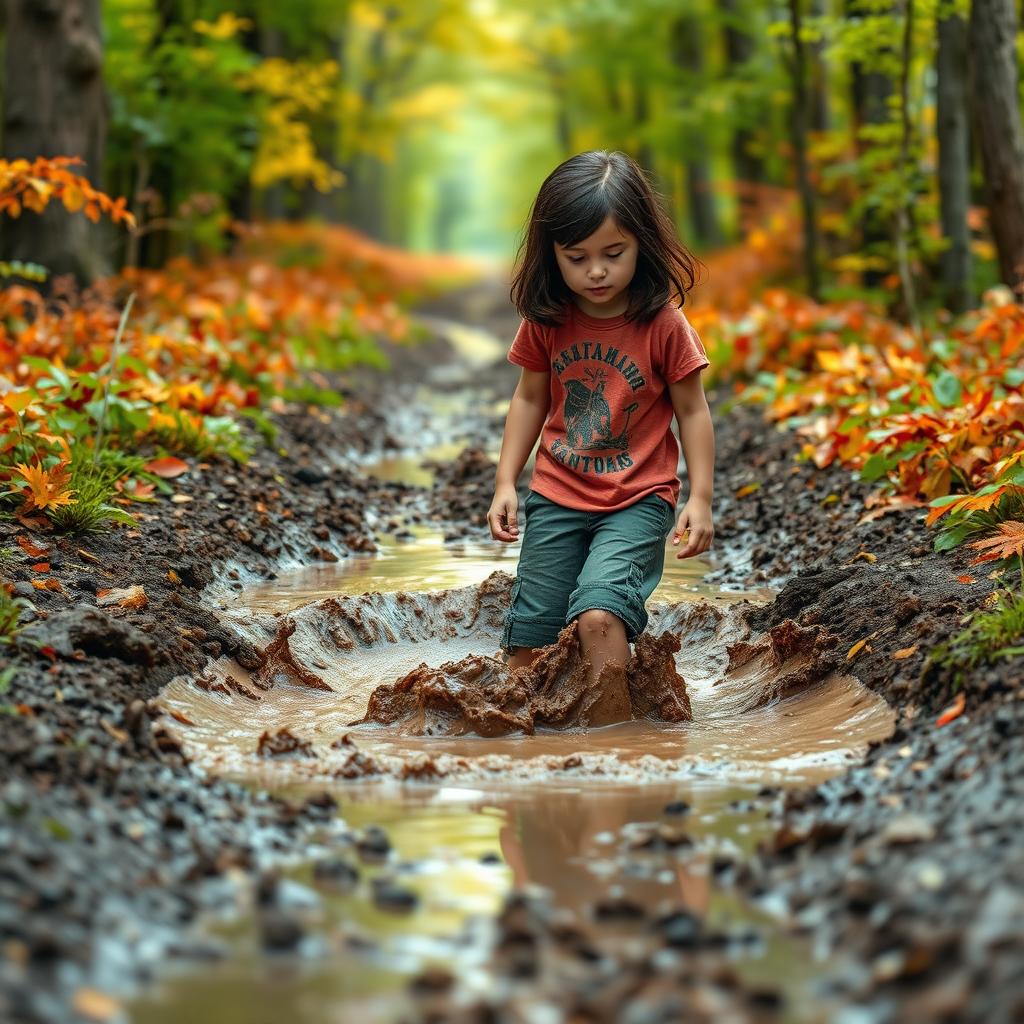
(602, 638)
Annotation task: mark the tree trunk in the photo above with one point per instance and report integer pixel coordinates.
(954, 161)
(748, 165)
(871, 91)
(993, 74)
(688, 57)
(800, 117)
(54, 105)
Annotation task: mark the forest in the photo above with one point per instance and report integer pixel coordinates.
(265, 751)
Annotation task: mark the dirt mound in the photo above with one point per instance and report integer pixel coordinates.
(482, 695)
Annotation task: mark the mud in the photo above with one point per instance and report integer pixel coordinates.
(482, 695)
(905, 867)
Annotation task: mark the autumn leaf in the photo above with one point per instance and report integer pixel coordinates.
(747, 489)
(955, 710)
(47, 488)
(1007, 543)
(49, 584)
(167, 468)
(41, 567)
(966, 580)
(30, 549)
(904, 652)
(129, 597)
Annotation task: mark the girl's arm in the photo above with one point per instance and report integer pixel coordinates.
(526, 414)
(697, 433)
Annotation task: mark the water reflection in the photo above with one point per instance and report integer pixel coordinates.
(427, 562)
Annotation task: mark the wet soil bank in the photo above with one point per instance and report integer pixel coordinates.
(910, 865)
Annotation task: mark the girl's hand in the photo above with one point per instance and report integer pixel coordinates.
(695, 517)
(501, 517)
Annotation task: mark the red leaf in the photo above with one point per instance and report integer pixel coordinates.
(30, 549)
(167, 468)
(955, 710)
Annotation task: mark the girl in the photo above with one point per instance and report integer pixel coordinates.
(606, 359)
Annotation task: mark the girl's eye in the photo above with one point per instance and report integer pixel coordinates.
(615, 255)
(575, 259)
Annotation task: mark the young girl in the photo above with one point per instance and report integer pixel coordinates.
(606, 359)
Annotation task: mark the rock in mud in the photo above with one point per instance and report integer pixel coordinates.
(95, 633)
(483, 696)
(283, 742)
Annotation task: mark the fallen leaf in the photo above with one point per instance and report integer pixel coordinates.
(112, 730)
(41, 567)
(904, 652)
(128, 597)
(30, 549)
(50, 584)
(167, 468)
(866, 555)
(178, 716)
(181, 499)
(49, 652)
(95, 1005)
(173, 576)
(747, 489)
(88, 556)
(966, 580)
(853, 651)
(955, 710)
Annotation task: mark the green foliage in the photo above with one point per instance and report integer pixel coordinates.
(17, 268)
(91, 509)
(992, 635)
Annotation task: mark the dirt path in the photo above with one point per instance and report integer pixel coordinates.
(910, 866)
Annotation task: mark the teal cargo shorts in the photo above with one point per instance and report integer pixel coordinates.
(572, 561)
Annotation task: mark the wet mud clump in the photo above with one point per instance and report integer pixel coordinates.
(481, 695)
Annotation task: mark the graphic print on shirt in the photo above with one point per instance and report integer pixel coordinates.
(592, 422)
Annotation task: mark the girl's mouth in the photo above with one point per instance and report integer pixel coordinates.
(599, 291)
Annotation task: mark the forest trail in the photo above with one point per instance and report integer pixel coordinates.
(429, 873)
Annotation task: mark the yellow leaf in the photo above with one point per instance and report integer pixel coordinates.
(74, 198)
(96, 1005)
(855, 649)
(905, 652)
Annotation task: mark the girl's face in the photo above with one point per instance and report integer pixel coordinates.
(598, 269)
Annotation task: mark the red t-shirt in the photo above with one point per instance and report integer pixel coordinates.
(607, 441)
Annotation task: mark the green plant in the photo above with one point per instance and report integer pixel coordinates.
(93, 485)
(997, 632)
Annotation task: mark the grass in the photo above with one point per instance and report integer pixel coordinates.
(991, 635)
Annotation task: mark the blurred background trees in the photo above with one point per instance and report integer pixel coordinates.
(884, 135)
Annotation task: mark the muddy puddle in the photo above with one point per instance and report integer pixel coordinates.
(617, 829)
(420, 559)
(463, 875)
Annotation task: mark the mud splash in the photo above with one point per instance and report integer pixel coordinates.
(773, 706)
(482, 695)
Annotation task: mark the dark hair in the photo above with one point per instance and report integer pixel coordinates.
(571, 205)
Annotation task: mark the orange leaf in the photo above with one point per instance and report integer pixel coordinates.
(1009, 541)
(167, 468)
(905, 652)
(30, 549)
(50, 584)
(47, 488)
(966, 580)
(955, 710)
(129, 597)
(41, 567)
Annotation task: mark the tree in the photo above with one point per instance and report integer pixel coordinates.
(54, 105)
(954, 157)
(994, 98)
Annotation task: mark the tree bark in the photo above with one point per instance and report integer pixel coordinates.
(748, 165)
(688, 57)
(993, 76)
(871, 91)
(954, 160)
(800, 117)
(54, 105)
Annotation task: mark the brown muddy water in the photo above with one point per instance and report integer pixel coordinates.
(570, 814)
(653, 813)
